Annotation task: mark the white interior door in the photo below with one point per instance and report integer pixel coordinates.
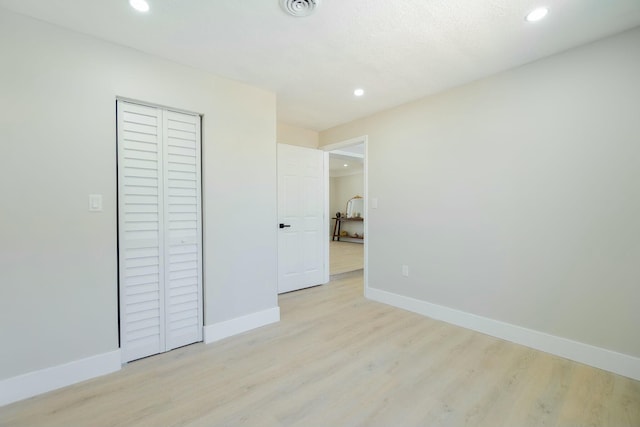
(159, 221)
(301, 254)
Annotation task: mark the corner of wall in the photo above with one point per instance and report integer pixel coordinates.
(294, 135)
(228, 328)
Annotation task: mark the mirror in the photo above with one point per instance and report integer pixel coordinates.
(355, 207)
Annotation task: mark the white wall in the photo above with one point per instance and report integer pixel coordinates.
(58, 264)
(517, 197)
(294, 135)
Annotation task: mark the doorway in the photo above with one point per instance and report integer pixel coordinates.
(347, 179)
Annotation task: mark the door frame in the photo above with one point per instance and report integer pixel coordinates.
(364, 139)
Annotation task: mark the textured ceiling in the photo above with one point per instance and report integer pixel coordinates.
(397, 51)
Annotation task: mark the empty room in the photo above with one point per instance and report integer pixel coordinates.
(319, 213)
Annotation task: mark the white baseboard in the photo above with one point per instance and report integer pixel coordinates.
(622, 364)
(44, 380)
(228, 328)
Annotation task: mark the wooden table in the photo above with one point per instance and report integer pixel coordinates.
(338, 224)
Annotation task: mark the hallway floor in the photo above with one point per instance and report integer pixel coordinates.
(345, 257)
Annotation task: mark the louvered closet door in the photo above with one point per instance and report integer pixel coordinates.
(140, 231)
(159, 230)
(183, 233)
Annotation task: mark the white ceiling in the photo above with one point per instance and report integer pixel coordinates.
(396, 50)
(347, 161)
(337, 166)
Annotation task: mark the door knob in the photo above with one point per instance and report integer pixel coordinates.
(284, 225)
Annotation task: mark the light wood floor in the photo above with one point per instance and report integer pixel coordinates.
(345, 257)
(337, 359)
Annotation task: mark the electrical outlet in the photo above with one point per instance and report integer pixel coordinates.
(405, 270)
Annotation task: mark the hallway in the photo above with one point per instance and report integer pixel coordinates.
(345, 257)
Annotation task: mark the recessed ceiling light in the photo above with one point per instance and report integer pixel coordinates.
(358, 92)
(537, 14)
(139, 5)
(346, 165)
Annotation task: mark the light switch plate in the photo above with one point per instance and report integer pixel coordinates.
(95, 202)
(374, 203)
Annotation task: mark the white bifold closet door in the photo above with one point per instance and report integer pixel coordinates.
(160, 229)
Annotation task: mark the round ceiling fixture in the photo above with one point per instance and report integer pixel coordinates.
(139, 5)
(537, 14)
(299, 7)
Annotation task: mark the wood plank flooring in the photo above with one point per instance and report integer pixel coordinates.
(345, 257)
(337, 359)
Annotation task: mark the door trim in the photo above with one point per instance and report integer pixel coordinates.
(364, 139)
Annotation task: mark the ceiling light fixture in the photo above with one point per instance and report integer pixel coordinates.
(537, 14)
(299, 8)
(139, 5)
(358, 92)
(346, 165)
